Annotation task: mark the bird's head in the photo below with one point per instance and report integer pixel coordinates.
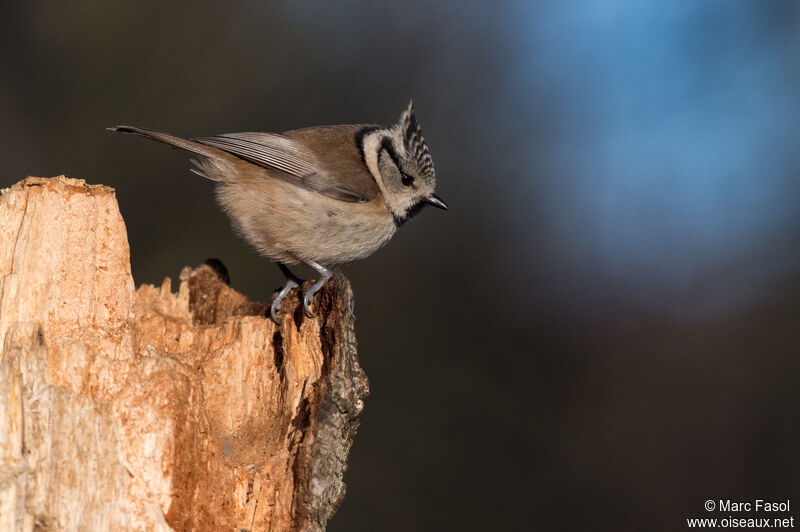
(401, 163)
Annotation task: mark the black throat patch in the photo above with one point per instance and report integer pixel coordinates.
(410, 213)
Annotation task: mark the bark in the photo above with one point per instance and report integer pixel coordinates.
(152, 410)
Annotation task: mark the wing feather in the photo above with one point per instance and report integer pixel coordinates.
(265, 149)
(285, 159)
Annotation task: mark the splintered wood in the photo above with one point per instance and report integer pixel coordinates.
(125, 409)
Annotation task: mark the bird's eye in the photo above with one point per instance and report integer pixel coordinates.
(407, 180)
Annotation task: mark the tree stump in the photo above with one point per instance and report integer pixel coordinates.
(125, 409)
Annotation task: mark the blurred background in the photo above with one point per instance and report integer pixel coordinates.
(601, 333)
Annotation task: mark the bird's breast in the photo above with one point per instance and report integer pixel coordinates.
(290, 224)
(349, 231)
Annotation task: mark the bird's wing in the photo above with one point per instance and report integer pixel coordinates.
(289, 160)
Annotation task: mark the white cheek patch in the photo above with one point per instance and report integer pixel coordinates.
(371, 146)
(397, 204)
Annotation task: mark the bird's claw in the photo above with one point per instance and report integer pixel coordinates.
(292, 280)
(307, 303)
(276, 303)
(273, 312)
(312, 291)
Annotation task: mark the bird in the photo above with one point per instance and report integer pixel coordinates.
(322, 196)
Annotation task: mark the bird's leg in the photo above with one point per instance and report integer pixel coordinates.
(291, 281)
(324, 275)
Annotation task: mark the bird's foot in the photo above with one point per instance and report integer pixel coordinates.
(276, 303)
(325, 275)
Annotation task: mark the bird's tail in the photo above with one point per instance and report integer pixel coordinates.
(207, 153)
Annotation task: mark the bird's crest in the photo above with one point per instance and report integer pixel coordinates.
(414, 143)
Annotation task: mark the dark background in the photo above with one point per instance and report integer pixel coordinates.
(601, 333)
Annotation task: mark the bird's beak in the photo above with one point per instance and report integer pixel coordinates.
(436, 201)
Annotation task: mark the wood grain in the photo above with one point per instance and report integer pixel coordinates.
(125, 409)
